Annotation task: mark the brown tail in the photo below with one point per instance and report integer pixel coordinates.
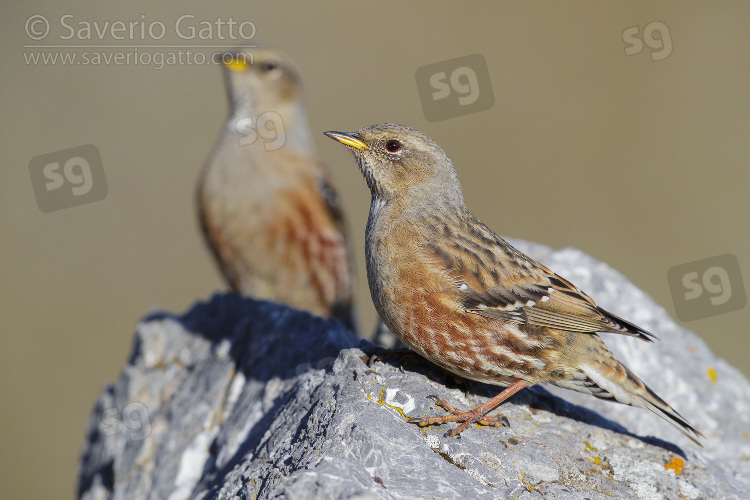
(614, 381)
(646, 398)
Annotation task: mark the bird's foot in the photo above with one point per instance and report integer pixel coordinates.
(478, 414)
(465, 417)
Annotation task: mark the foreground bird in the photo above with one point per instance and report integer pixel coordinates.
(266, 204)
(462, 297)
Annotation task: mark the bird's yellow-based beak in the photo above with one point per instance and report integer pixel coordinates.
(350, 139)
(234, 62)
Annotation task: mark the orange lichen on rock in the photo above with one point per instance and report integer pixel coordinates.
(676, 464)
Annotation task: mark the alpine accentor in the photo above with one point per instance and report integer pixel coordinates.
(267, 206)
(462, 297)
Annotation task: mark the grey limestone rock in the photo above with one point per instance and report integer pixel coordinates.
(246, 399)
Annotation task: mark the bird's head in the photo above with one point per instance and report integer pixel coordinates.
(260, 81)
(399, 161)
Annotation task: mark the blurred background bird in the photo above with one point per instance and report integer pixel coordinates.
(462, 297)
(267, 207)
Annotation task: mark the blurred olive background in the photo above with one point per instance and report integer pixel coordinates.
(640, 161)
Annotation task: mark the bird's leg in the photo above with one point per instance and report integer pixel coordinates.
(469, 417)
(495, 421)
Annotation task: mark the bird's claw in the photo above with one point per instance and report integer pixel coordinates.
(465, 418)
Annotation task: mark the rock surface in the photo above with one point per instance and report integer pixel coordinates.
(246, 399)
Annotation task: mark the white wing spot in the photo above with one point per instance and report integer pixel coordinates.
(540, 364)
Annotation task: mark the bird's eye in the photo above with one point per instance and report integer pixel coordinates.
(392, 146)
(270, 65)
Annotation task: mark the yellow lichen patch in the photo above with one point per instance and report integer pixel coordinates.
(746, 435)
(381, 401)
(676, 464)
(602, 464)
(598, 462)
(528, 485)
(381, 396)
(712, 375)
